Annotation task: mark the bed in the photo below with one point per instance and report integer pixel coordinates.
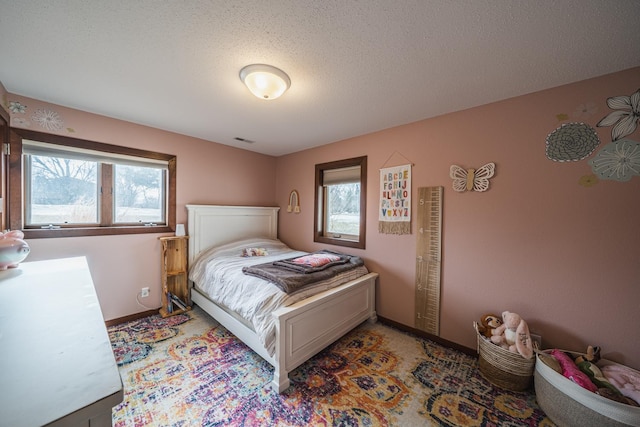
(300, 330)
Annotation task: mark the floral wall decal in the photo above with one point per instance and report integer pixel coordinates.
(625, 118)
(16, 107)
(20, 122)
(48, 119)
(571, 142)
(617, 161)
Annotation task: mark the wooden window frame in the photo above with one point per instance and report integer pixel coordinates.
(15, 187)
(319, 211)
(4, 139)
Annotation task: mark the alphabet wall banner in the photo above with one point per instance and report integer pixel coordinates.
(394, 211)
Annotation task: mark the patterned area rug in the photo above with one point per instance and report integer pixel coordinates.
(134, 340)
(187, 370)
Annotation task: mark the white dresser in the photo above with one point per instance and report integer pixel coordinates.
(56, 362)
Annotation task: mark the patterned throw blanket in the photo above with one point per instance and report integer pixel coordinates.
(292, 274)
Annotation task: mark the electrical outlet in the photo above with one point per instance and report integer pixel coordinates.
(144, 292)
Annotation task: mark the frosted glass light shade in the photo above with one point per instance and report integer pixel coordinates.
(265, 81)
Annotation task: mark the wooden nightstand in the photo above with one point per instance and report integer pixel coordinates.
(175, 284)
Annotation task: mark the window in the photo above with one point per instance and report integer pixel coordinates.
(139, 194)
(61, 186)
(340, 214)
(60, 190)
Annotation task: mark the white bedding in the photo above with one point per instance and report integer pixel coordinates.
(217, 272)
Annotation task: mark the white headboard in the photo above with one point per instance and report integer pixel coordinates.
(210, 225)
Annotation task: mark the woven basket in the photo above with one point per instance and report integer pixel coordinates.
(502, 367)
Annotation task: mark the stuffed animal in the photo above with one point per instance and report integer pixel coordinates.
(488, 323)
(513, 335)
(592, 355)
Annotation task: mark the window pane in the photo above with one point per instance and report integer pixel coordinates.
(62, 191)
(343, 209)
(139, 194)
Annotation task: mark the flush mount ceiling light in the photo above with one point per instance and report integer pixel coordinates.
(265, 81)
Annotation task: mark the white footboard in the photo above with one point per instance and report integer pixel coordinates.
(305, 328)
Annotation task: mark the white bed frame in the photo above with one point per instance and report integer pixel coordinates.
(302, 329)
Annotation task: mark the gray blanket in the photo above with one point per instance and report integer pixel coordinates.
(290, 280)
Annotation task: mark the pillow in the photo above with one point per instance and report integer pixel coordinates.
(232, 249)
(248, 252)
(315, 260)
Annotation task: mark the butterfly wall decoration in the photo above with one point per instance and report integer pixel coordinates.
(472, 179)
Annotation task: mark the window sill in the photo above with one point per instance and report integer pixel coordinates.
(43, 233)
(339, 242)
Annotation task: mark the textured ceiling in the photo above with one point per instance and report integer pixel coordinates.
(355, 66)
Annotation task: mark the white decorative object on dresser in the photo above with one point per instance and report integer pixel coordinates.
(301, 329)
(58, 368)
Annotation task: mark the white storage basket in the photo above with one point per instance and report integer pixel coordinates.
(568, 404)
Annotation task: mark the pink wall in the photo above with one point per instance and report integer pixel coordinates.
(562, 255)
(207, 173)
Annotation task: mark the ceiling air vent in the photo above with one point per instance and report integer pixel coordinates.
(248, 141)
